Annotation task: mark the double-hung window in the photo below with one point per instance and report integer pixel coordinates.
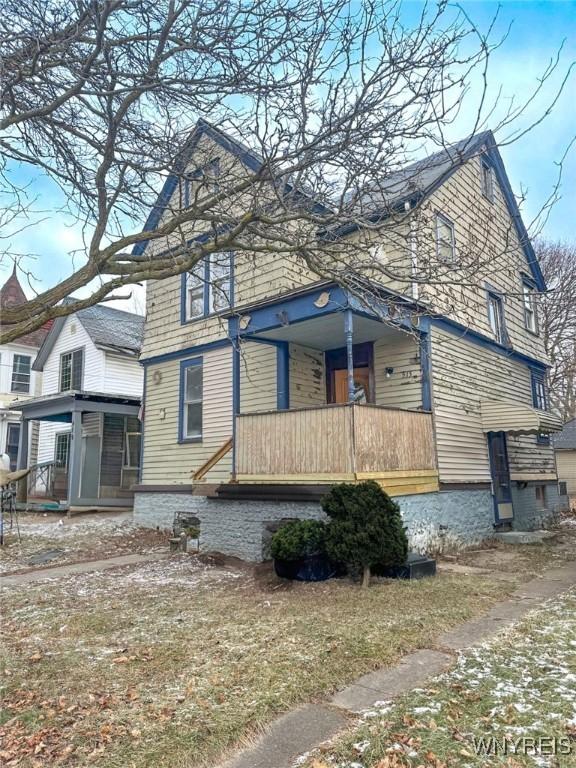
(445, 239)
(195, 293)
(487, 175)
(530, 315)
(539, 391)
(220, 282)
(21, 373)
(208, 288)
(71, 370)
(62, 449)
(191, 399)
(496, 316)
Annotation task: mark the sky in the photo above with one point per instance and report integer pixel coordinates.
(538, 29)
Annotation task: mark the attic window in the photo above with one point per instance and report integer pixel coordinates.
(445, 239)
(206, 179)
(487, 175)
(530, 316)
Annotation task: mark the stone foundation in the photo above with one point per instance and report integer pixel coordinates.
(435, 521)
(529, 513)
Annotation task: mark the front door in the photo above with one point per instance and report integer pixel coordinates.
(337, 374)
(361, 385)
(500, 470)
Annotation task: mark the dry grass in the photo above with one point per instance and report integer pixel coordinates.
(172, 663)
(510, 703)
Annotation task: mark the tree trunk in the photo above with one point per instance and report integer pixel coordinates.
(366, 577)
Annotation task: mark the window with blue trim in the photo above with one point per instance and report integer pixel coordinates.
(208, 288)
(203, 179)
(191, 396)
(496, 316)
(539, 391)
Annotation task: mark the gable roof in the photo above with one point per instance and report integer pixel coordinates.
(112, 330)
(12, 295)
(246, 156)
(566, 440)
(413, 183)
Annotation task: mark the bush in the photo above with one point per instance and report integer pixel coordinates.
(297, 539)
(365, 528)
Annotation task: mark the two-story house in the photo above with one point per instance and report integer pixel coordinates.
(264, 384)
(18, 380)
(88, 409)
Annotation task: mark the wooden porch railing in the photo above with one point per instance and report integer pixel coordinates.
(338, 443)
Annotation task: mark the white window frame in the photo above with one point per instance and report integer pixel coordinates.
(496, 318)
(220, 286)
(441, 241)
(530, 309)
(195, 287)
(17, 373)
(487, 179)
(187, 434)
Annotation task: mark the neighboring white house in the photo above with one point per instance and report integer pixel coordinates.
(18, 380)
(92, 383)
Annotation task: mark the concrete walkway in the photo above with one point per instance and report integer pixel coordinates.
(304, 729)
(59, 571)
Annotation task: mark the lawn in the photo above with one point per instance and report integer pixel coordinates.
(172, 663)
(518, 690)
(50, 539)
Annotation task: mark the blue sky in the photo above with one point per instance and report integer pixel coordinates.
(537, 31)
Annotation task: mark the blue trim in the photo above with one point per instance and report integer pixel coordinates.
(184, 365)
(425, 368)
(141, 465)
(295, 309)
(283, 376)
(187, 352)
(349, 334)
(491, 436)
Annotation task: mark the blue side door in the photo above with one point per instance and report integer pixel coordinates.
(500, 470)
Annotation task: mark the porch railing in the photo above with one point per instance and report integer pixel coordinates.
(41, 480)
(337, 443)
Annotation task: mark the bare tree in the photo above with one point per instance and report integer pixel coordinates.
(332, 99)
(558, 320)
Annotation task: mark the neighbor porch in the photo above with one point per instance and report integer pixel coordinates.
(94, 450)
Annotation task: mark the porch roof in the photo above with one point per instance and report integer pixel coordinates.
(59, 406)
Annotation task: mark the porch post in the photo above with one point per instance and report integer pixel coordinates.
(283, 376)
(348, 328)
(22, 460)
(75, 459)
(235, 396)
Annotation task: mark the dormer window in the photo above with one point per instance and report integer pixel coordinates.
(487, 176)
(445, 239)
(529, 298)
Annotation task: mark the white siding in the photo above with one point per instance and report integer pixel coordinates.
(123, 375)
(73, 336)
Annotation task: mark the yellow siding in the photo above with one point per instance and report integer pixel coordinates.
(484, 231)
(566, 464)
(403, 389)
(257, 377)
(165, 460)
(462, 374)
(307, 377)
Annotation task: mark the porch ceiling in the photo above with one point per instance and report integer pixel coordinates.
(327, 332)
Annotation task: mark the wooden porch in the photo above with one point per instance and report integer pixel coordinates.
(337, 443)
